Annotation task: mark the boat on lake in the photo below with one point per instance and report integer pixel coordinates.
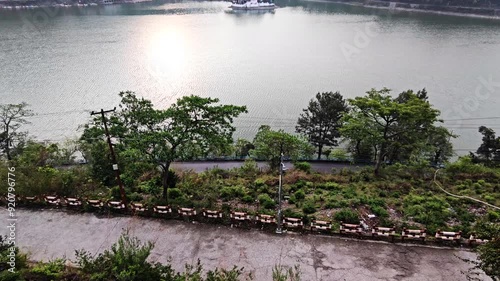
(252, 5)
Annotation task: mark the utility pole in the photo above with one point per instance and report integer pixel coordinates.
(113, 156)
(279, 228)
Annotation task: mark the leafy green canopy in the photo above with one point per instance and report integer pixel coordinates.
(160, 136)
(396, 129)
(12, 116)
(270, 144)
(321, 120)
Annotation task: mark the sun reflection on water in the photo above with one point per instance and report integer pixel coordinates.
(167, 54)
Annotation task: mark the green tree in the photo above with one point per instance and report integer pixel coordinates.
(242, 148)
(441, 149)
(321, 120)
(490, 147)
(270, 144)
(160, 136)
(12, 117)
(390, 125)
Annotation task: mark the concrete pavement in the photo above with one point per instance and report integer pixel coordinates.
(48, 234)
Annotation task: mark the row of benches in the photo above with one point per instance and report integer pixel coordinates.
(243, 218)
(413, 234)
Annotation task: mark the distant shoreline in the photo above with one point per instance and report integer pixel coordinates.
(427, 9)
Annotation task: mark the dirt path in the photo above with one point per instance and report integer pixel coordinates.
(53, 233)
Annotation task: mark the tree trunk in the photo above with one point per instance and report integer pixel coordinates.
(380, 158)
(7, 143)
(320, 151)
(164, 177)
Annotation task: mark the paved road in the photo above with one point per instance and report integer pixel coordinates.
(53, 233)
(325, 167)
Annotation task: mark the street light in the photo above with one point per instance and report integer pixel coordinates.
(279, 228)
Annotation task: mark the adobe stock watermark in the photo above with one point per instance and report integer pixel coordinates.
(37, 19)
(12, 219)
(471, 104)
(364, 36)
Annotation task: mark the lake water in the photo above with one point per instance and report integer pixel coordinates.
(66, 62)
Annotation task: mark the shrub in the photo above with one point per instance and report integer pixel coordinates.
(331, 186)
(266, 201)
(150, 187)
(291, 213)
(339, 155)
(303, 166)
(50, 270)
(300, 195)
(349, 192)
(115, 193)
(334, 203)
(347, 216)
(249, 168)
(135, 197)
(231, 192)
(126, 260)
(247, 199)
(309, 207)
(259, 182)
(174, 193)
(380, 212)
(493, 216)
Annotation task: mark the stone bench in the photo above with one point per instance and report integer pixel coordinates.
(95, 203)
(188, 213)
(238, 218)
(162, 210)
(321, 226)
(116, 205)
(379, 231)
(474, 240)
(30, 199)
(73, 202)
(265, 220)
(293, 223)
(212, 214)
(415, 234)
(138, 208)
(448, 236)
(348, 228)
(52, 200)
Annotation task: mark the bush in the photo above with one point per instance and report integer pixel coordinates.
(53, 270)
(266, 201)
(309, 207)
(331, 186)
(291, 213)
(232, 192)
(249, 168)
(303, 166)
(334, 203)
(299, 195)
(247, 199)
(150, 187)
(380, 212)
(126, 260)
(339, 155)
(347, 216)
(259, 182)
(135, 197)
(174, 193)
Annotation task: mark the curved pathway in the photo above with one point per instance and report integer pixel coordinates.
(48, 234)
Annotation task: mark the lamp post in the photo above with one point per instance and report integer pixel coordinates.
(279, 228)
